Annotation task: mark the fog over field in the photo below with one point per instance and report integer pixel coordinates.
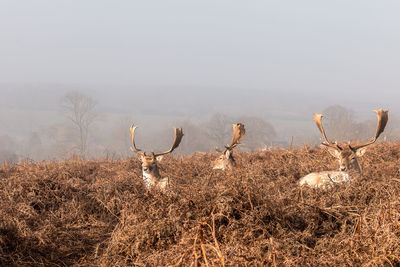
(200, 65)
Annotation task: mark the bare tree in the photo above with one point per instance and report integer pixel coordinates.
(79, 109)
(339, 122)
(8, 148)
(258, 132)
(219, 129)
(196, 138)
(34, 146)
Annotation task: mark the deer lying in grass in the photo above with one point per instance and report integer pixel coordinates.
(151, 174)
(225, 160)
(346, 154)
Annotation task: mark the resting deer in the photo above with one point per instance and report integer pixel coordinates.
(151, 174)
(225, 159)
(346, 154)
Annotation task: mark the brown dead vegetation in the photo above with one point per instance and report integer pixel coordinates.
(98, 213)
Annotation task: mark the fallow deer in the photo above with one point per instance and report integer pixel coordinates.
(346, 154)
(226, 160)
(151, 174)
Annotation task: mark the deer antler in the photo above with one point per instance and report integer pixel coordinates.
(177, 141)
(133, 148)
(318, 122)
(238, 135)
(380, 127)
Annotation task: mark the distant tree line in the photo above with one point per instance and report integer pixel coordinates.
(217, 132)
(79, 134)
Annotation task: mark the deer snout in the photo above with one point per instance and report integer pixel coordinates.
(342, 168)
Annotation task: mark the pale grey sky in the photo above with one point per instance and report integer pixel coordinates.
(157, 63)
(286, 45)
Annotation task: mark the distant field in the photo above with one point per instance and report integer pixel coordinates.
(97, 213)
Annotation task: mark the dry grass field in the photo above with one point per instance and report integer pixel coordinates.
(98, 213)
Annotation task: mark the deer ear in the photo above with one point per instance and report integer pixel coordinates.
(333, 152)
(159, 158)
(228, 153)
(361, 151)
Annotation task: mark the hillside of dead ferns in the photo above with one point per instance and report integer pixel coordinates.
(98, 213)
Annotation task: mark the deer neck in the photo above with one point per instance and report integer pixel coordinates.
(230, 161)
(354, 170)
(225, 164)
(151, 177)
(357, 169)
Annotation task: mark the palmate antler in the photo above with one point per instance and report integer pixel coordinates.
(382, 121)
(133, 147)
(177, 141)
(380, 127)
(238, 135)
(318, 121)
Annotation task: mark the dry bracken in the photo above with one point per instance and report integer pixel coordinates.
(99, 213)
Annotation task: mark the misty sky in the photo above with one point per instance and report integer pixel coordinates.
(158, 63)
(331, 46)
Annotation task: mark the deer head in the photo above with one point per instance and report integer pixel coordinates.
(347, 154)
(225, 160)
(151, 174)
